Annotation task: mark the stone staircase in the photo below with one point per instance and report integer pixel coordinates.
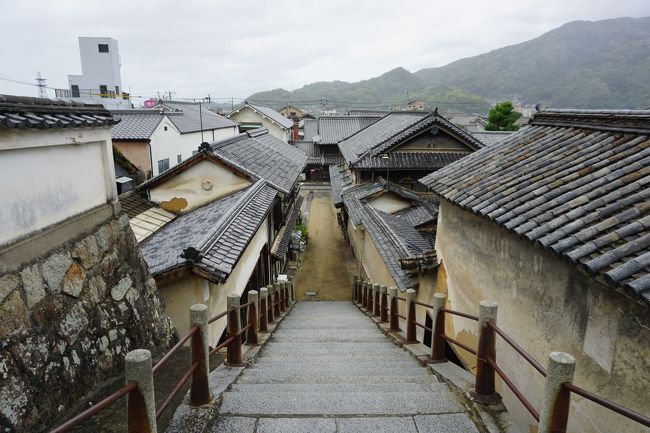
(329, 369)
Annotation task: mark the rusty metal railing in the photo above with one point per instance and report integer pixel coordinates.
(554, 415)
(139, 371)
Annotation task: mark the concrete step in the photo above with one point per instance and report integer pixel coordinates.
(306, 369)
(281, 338)
(435, 387)
(338, 364)
(332, 346)
(327, 356)
(336, 403)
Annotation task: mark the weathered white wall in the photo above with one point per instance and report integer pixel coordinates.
(546, 304)
(202, 183)
(171, 143)
(389, 203)
(47, 176)
(179, 296)
(247, 115)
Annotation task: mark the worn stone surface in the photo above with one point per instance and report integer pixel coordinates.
(87, 252)
(32, 285)
(73, 280)
(233, 424)
(455, 422)
(122, 287)
(14, 314)
(54, 269)
(296, 425)
(378, 425)
(8, 283)
(61, 334)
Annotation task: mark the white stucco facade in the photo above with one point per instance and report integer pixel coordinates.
(247, 115)
(168, 143)
(47, 176)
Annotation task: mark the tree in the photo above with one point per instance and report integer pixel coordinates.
(502, 117)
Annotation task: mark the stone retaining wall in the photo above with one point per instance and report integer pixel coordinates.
(68, 318)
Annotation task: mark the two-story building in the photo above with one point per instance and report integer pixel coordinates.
(252, 116)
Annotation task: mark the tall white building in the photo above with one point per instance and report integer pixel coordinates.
(100, 81)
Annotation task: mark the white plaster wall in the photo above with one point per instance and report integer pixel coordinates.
(191, 185)
(171, 143)
(247, 115)
(48, 176)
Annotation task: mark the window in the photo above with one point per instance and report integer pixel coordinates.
(163, 165)
(117, 90)
(179, 158)
(103, 48)
(103, 90)
(75, 90)
(165, 128)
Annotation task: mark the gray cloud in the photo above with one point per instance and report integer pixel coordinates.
(237, 48)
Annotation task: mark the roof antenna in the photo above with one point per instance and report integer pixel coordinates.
(201, 121)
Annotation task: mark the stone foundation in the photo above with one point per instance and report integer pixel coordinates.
(67, 319)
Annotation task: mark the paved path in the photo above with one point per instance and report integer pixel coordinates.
(323, 268)
(328, 369)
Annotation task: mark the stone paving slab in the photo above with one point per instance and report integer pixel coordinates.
(337, 387)
(360, 364)
(336, 403)
(447, 423)
(296, 425)
(334, 378)
(376, 425)
(239, 424)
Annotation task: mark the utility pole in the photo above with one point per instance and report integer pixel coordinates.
(40, 83)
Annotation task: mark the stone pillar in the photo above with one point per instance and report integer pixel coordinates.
(285, 291)
(437, 339)
(199, 390)
(277, 299)
(264, 310)
(409, 295)
(484, 392)
(234, 327)
(270, 300)
(392, 299)
(141, 403)
(375, 298)
(554, 413)
(355, 288)
(251, 332)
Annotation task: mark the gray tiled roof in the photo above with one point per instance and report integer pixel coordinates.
(268, 112)
(310, 129)
(135, 124)
(281, 244)
(219, 230)
(308, 147)
(396, 239)
(368, 113)
(339, 181)
(265, 156)
(489, 138)
(575, 182)
(192, 117)
(333, 129)
(364, 149)
(42, 113)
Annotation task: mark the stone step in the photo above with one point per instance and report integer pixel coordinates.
(337, 364)
(435, 387)
(273, 376)
(327, 356)
(320, 369)
(281, 338)
(331, 347)
(336, 403)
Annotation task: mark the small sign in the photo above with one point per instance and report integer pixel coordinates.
(149, 103)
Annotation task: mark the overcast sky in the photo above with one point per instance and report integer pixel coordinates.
(236, 48)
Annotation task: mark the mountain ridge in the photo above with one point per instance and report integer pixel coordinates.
(581, 64)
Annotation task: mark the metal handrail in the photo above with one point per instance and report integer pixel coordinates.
(226, 342)
(71, 423)
(522, 398)
(220, 315)
(459, 344)
(532, 361)
(174, 349)
(641, 419)
(176, 389)
(458, 313)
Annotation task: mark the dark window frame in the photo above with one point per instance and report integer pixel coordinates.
(103, 48)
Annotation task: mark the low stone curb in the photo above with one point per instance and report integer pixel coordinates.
(195, 419)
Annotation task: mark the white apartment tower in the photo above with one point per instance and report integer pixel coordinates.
(100, 80)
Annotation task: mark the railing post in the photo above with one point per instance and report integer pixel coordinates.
(264, 315)
(199, 389)
(285, 290)
(141, 402)
(484, 391)
(394, 322)
(437, 336)
(292, 293)
(355, 287)
(271, 297)
(554, 413)
(233, 356)
(276, 299)
(251, 332)
(375, 297)
(364, 295)
(410, 316)
(383, 314)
